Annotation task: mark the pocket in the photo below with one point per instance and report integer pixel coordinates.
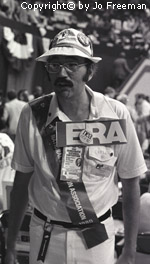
(102, 154)
(99, 161)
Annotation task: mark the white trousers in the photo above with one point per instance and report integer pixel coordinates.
(68, 246)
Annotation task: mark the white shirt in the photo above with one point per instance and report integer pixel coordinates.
(12, 113)
(101, 186)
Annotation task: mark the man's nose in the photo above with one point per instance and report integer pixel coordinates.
(62, 71)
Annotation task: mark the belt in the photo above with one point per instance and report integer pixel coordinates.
(69, 225)
(86, 231)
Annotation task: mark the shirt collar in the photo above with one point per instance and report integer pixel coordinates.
(100, 108)
(54, 111)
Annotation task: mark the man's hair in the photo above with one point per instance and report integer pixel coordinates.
(122, 98)
(90, 63)
(140, 96)
(22, 95)
(109, 89)
(11, 94)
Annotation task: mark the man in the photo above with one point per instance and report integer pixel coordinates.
(12, 112)
(6, 153)
(123, 98)
(120, 71)
(143, 121)
(143, 104)
(70, 143)
(38, 91)
(110, 92)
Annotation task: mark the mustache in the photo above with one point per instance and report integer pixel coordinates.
(64, 81)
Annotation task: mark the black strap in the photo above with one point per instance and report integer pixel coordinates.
(69, 225)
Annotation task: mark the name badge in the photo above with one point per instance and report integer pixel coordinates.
(72, 164)
(102, 132)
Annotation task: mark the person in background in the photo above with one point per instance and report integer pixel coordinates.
(12, 112)
(123, 98)
(120, 71)
(110, 92)
(144, 220)
(138, 108)
(143, 132)
(142, 104)
(143, 121)
(38, 91)
(23, 95)
(6, 153)
(66, 164)
(3, 122)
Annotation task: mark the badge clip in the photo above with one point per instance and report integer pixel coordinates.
(45, 241)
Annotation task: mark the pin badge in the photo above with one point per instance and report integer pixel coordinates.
(83, 39)
(85, 137)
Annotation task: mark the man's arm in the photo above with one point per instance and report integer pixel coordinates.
(5, 114)
(128, 70)
(19, 202)
(131, 205)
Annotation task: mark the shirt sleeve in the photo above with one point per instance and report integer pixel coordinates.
(22, 157)
(130, 162)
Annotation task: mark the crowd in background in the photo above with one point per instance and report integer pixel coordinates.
(140, 115)
(125, 28)
(11, 107)
(10, 110)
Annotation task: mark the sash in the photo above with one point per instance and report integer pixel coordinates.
(73, 194)
(40, 108)
(82, 213)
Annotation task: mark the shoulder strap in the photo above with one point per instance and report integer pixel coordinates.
(40, 109)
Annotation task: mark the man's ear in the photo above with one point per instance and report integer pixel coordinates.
(90, 72)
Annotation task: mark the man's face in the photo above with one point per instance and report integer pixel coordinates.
(65, 83)
(139, 107)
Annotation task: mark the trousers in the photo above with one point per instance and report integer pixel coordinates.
(67, 246)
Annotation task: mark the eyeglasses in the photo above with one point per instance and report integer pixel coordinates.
(69, 66)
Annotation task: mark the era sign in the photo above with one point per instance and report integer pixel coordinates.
(103, 132)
